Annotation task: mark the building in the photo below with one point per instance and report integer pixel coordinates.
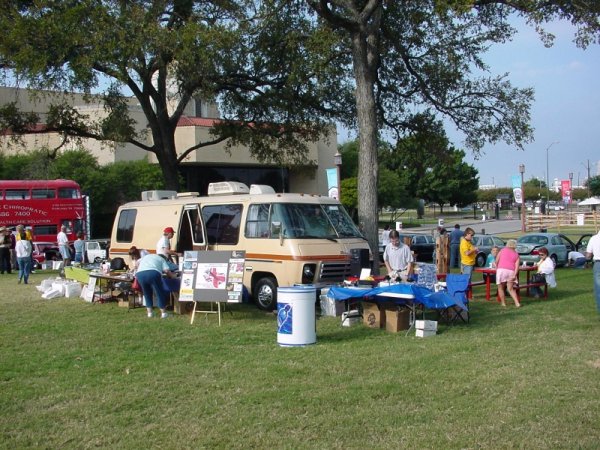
(200, 167)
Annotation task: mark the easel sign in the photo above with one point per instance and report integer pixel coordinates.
(212, 277)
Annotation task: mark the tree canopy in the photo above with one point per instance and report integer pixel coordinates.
(249, 56)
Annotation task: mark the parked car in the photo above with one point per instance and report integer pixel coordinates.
(422, 245)
(44, 251)
(94, 253)
(558, 246)
(582, 243)
(485, 242)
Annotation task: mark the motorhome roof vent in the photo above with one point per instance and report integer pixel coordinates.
(157, 195)
(187, 194)
(261, 189)
(227, 188)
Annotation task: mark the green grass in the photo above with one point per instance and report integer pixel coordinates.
(77, 375)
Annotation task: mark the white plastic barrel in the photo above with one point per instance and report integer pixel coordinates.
(296, 324)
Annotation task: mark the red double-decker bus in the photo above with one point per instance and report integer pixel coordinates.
(43, 205)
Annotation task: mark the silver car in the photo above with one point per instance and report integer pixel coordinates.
(485, 242)
(558, 246)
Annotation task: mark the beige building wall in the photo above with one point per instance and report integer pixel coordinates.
(308, 179)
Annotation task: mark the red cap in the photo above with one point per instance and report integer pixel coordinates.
(169, 230)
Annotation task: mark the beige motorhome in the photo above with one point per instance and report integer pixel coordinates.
(288, 238)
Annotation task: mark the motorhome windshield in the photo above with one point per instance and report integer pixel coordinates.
(310, 221)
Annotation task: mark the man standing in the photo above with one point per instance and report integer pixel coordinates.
(455, 237)
(163, 246)
(397, 257)
(63, 245)
(593, 251)
(468, 252)
(5, 243)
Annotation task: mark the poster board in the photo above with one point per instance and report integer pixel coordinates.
(212, 276)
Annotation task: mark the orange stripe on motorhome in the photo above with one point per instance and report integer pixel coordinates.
(266, 257)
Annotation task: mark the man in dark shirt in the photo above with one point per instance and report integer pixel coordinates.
(455, 236)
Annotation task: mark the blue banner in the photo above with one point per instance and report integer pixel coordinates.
(332, 187)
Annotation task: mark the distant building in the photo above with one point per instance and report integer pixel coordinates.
(200, 167)
(487, 187)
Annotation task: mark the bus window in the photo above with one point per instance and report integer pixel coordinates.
(43, 193)
(17, 194)
(125, 225)
(40, 230)
(68, 193)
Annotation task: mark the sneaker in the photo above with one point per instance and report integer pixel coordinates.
(164, 315)
(150, 315)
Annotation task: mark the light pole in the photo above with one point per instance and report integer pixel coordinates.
(570, 188)
(337, 159)
(522, 172)
(547, 173)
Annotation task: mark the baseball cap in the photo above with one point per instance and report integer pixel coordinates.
(169, 230)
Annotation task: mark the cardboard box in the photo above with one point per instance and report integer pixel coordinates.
(397, 320)
(329, 307)
(427, 325)
(424, 333)
(373, 316)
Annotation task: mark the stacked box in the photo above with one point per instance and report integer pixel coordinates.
(425, 328)
(350, 318)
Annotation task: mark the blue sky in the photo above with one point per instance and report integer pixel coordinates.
(566, 110)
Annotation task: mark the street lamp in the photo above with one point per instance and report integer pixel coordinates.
(570, 188)
(337, 159)
(547, 173)
(522, 172)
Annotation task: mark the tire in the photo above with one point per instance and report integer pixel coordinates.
(97, 260)
(480, 260)
(265, 293)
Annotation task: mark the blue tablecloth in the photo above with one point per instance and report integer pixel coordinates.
(422, 295)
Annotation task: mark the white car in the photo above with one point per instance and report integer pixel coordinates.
(94, 253)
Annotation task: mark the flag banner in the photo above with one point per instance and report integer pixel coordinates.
(565, 188)
(332, 187)
(516, 184)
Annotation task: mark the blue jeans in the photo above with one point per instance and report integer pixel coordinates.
(151, 283)
(597, 284)
(454, 251)
(467, 270)
(24, 268)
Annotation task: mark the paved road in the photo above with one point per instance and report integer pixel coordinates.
(490, 226)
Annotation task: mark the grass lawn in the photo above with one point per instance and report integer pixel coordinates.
(77, 375)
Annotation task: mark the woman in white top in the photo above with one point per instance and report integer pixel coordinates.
(545, 266)
(23, 251)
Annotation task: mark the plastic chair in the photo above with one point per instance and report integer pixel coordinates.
(457, 286)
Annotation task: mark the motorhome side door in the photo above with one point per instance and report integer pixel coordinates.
(192, 232)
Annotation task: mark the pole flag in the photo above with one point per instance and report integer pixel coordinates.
(332, 187)
(516, 184)
(565, 188)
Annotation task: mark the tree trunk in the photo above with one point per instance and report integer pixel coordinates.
(166, 153)
(368, 168)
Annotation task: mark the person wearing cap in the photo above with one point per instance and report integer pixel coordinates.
(5, 243)
(163, 246)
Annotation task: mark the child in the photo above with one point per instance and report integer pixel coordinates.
(490, 263)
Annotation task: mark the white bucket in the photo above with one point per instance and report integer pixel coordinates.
(296, 324)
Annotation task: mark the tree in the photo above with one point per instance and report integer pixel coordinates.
(593, 184)
(422, 56)
(247, 55)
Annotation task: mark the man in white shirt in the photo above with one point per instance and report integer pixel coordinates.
(63, 245)
(593, 251)
(397, 257)
(576, 259)
(163, 246)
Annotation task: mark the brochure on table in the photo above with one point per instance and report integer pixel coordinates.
(212, 276)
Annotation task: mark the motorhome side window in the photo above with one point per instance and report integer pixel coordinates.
(257, 221)
(125, 225)
(222, 223)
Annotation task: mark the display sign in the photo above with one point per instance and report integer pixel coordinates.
(565, 187)
(212, 276)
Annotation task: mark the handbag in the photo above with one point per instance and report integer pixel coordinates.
(136, 285)
(538, 278)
